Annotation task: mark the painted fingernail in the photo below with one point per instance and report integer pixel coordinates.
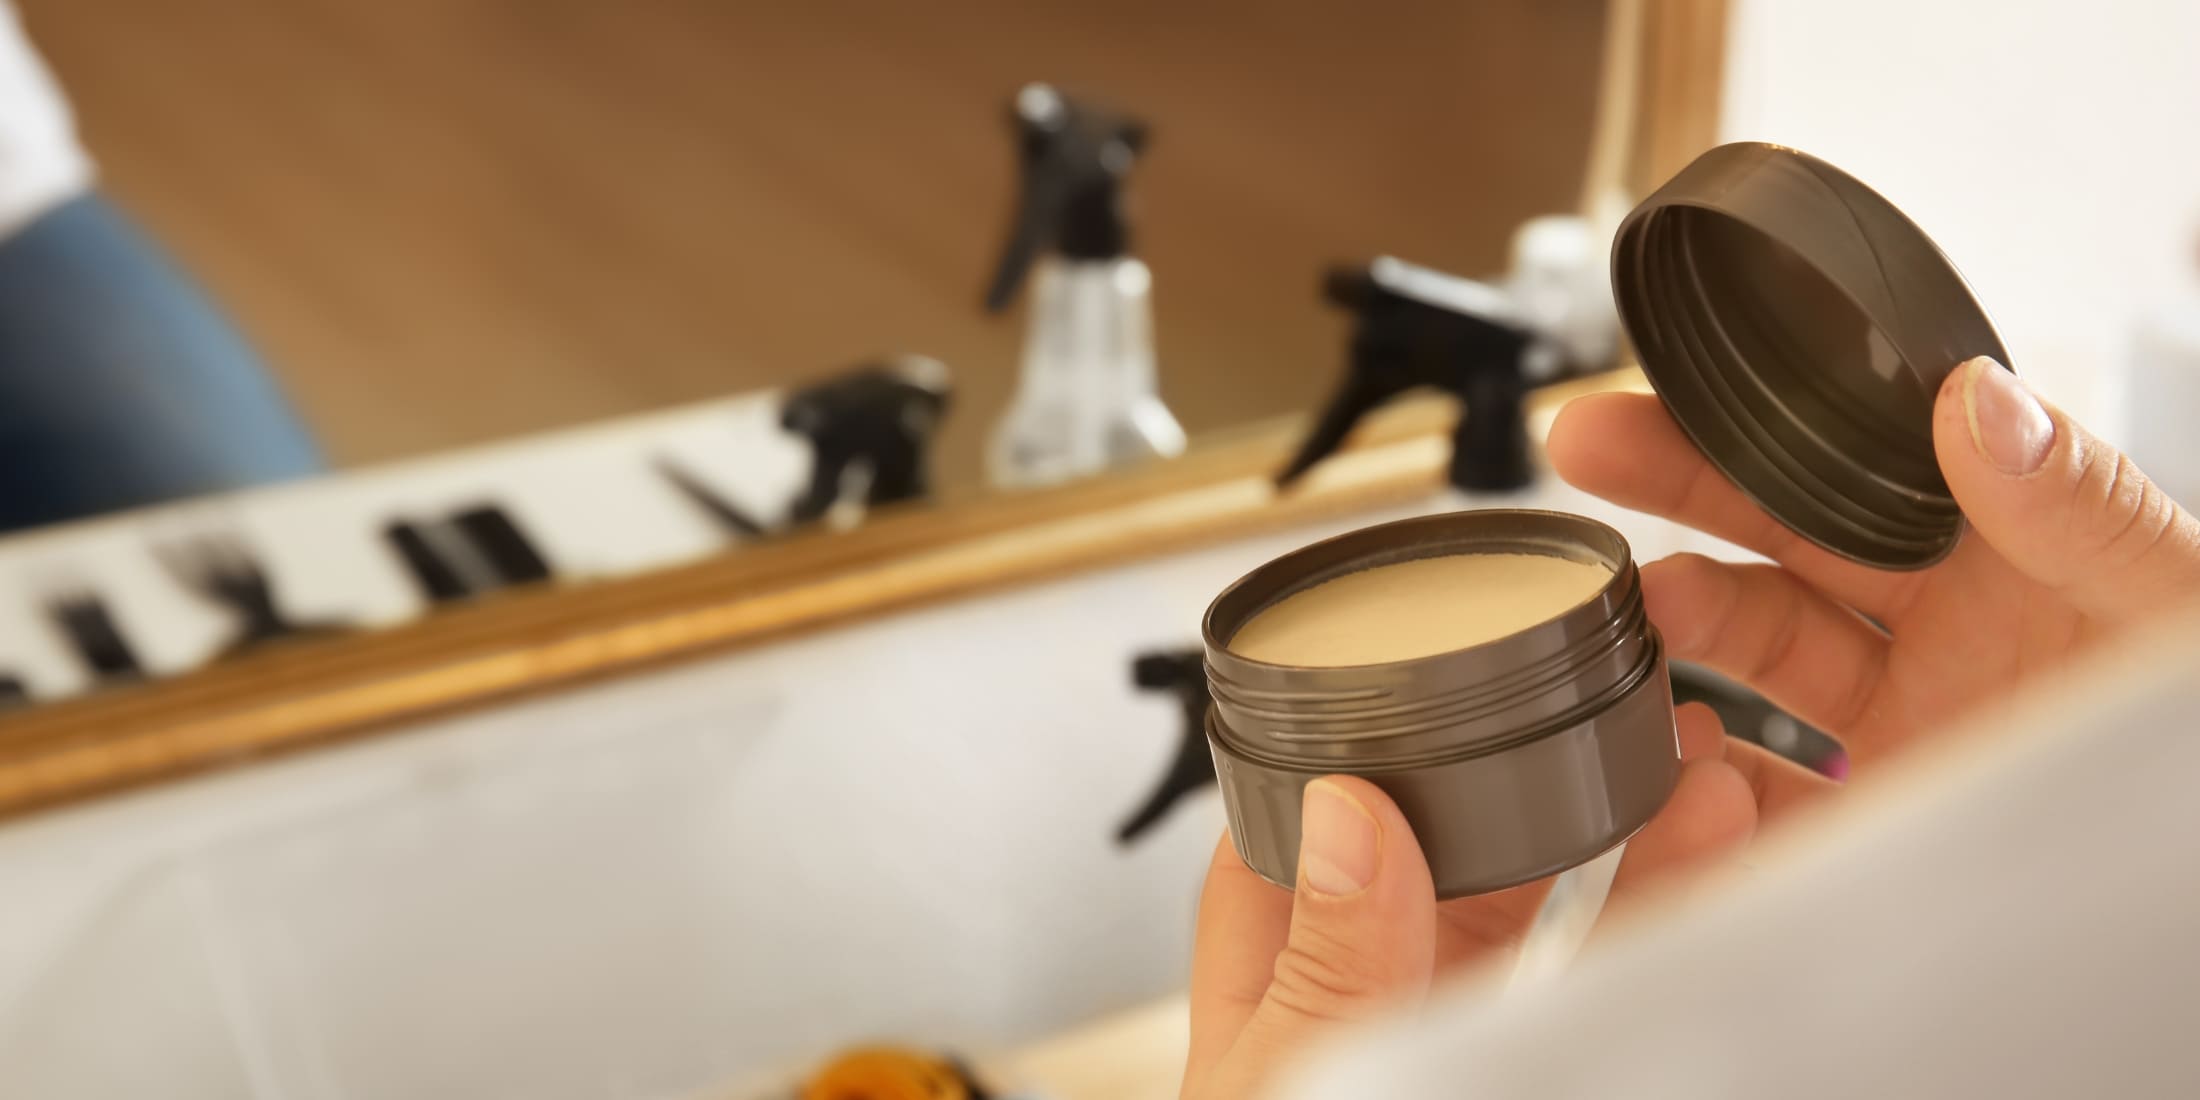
(2009, 426)
(1835, 765)
(1340, 843)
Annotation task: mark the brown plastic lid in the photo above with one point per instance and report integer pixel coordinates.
(1798, 327)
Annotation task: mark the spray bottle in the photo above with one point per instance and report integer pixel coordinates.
(1086, 397)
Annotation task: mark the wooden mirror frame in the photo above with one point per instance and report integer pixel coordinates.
(1658, 106)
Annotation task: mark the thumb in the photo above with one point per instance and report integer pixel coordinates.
(1363, 919)
(2067, 510)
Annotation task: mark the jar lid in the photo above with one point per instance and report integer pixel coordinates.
(1798, 327)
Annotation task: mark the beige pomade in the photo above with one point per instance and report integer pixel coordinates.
(1417, 608)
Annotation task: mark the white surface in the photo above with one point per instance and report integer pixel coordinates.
(41, 162)
(2164, 435)
(588, 498)
(899, 829)
(2049, 147)
(2012, 920)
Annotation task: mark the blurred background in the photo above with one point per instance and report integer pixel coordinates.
(447, 223)
(562, 304)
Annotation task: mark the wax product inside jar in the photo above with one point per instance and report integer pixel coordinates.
(1491, 670)
(1417, 608)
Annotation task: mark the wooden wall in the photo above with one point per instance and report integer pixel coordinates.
(449, 221)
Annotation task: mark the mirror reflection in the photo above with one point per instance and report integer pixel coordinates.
(500, 294)
(435, 227)
(355, 351)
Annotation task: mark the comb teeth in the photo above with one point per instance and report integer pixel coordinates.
(92, 633)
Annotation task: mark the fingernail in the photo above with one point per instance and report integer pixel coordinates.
(1340, 842)
(2009, 426)
(1835, 765)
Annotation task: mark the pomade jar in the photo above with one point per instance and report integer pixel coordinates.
(1514, 758)
(1798, 327)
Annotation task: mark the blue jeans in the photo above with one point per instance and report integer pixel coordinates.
(120, 384)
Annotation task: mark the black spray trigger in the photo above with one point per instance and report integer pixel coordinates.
(1416, 328)
(1073, 158)
(1182, 673)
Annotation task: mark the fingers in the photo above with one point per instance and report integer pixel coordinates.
(1710, 813)
(1779, 786)
(1700, 732)
(1472, 930)
(1710, 817)
(1363, 923)
(1270, 966)
(2069, 511)
(1626, 448)
(1359, 935)
(1760, 625)
(1243, 919)
(1726, 792)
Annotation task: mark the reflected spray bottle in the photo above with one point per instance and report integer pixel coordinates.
(1086, 397)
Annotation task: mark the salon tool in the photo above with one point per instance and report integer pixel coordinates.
(1549, 316)
(1421, 329)
(709, 501)
(1752, 717)
(1086, 396)
(1182, 673)
(496, 535)
(476, 550)
(870, 433)
(437, 579)
(222, 570)
(84, 619)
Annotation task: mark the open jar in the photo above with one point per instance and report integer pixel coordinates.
(1514, 757)
(1798, 327)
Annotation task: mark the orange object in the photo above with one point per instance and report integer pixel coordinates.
(887, 1073)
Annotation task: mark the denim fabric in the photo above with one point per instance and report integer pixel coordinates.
(120, 383)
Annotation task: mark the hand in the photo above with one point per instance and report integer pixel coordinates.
(1364, 932)
(2068, 544)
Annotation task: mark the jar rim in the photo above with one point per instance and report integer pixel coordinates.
(1474, 698)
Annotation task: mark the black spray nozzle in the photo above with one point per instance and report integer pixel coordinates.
(880, 418)
(12, 693)
(1170, 670)
(1182, 673)
(1349, 286)
(1072, 158)
(1417, 328)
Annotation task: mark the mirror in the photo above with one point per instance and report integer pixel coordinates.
(502, 257)
(484, 297)
(448, 224)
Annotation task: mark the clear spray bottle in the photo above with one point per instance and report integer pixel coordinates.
(1086, 398)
